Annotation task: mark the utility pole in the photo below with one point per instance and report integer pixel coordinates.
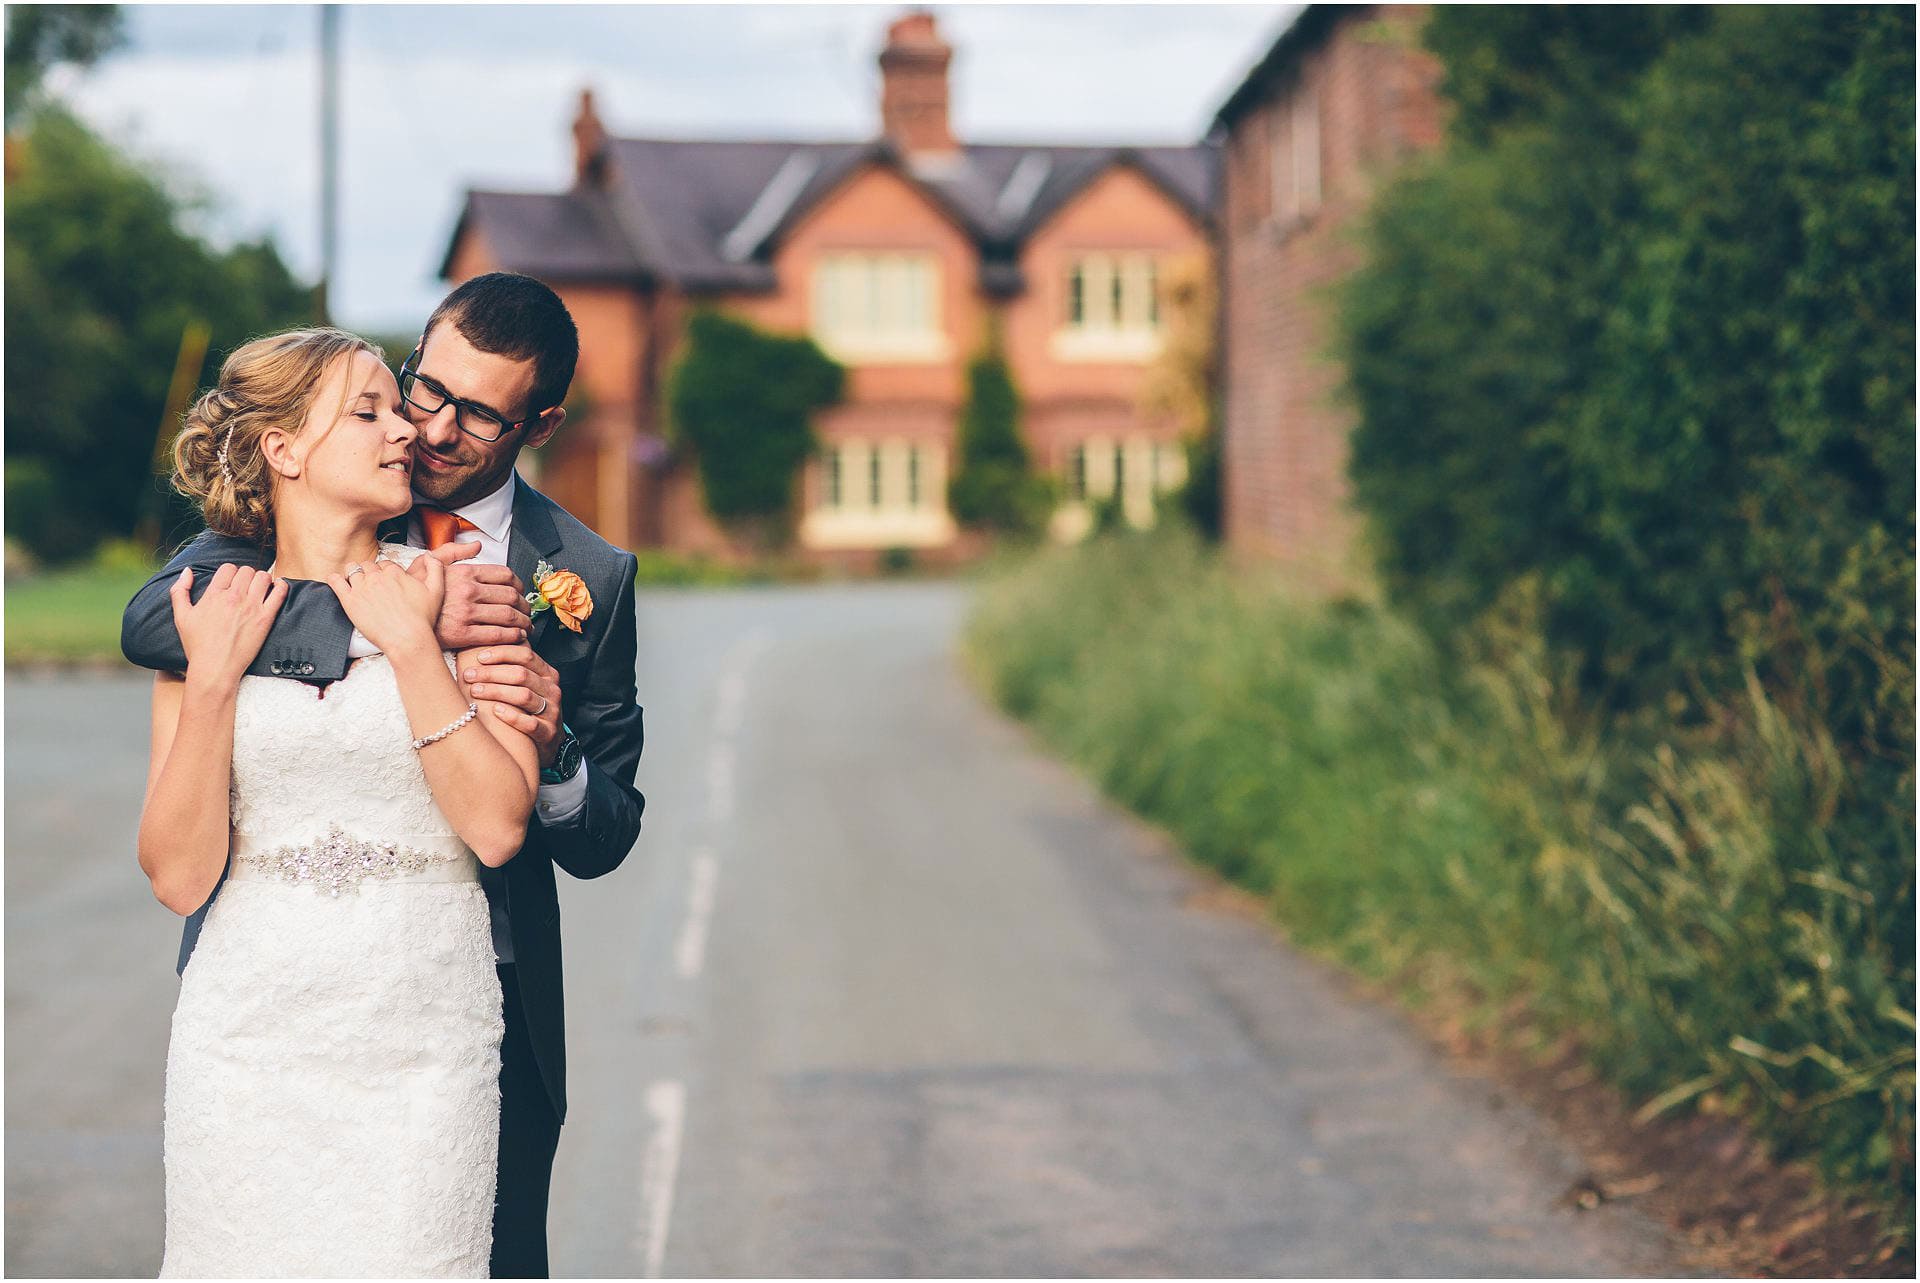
(329, 158)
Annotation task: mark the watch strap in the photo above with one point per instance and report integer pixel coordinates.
(566, 762)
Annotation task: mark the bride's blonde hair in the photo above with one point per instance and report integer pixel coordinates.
(268, 383)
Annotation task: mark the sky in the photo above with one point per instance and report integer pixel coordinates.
(439, 98)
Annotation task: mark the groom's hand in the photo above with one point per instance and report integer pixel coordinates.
(485, 605)
(526, 688)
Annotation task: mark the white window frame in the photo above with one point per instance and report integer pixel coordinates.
(1120, 313)
(908, 511)
(878, 307)
(890, 475)
(1296, 155)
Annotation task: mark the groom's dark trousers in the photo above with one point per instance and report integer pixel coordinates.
(596, 666)
(529, 1136)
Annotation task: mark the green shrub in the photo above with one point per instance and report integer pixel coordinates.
(1200, 497)
(745, 400)
(994, 486)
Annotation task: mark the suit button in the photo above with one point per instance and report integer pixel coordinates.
(306, 670)
(276, 668)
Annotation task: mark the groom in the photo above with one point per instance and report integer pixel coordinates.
(487, 381)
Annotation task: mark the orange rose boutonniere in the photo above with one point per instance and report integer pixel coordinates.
(563, 591)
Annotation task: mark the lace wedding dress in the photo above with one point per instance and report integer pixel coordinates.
(332, 1098)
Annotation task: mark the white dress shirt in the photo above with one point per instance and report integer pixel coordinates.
(492, 516)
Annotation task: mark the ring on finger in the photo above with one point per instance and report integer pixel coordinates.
(541, 711)
(355, 569)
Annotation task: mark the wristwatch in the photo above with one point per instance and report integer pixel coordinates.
(566, 759)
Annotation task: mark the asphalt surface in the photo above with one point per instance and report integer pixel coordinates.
(882, 991)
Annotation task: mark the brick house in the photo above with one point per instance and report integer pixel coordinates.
(1345, 96)
(893, 253)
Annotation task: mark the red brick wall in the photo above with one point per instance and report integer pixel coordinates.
(1285, 444)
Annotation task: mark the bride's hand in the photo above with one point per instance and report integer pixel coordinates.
(393, 609)
(224, 630)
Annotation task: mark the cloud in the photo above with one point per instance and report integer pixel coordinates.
(439, 99)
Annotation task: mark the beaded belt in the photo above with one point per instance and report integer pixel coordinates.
(339, 861)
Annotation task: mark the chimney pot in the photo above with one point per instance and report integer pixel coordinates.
(589, 141)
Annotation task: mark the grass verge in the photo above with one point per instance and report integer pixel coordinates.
(70, 616)
(1717, 914)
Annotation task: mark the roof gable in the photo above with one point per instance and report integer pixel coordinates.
(878, 158)
(1182, 174)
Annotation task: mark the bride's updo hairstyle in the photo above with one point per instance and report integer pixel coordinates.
(268, 383)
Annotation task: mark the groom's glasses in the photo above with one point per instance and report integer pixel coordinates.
(430, 398)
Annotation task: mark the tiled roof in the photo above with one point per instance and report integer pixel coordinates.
(692, 196)
(705, 214)
(575, 236)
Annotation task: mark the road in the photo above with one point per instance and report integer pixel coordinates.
(882, 991)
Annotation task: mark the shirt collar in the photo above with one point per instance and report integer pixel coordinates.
(492, 513)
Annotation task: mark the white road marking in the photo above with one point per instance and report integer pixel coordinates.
(720, 783)
(659, 1167)
(730, 709)
(691, 952)
(732, 703)
(666, 1100)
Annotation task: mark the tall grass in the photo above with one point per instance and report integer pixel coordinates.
(1708, 904)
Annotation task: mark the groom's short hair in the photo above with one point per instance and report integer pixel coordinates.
(507, 314)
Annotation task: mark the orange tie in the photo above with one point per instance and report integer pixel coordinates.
(440, 526)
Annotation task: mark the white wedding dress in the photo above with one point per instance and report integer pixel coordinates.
(332, 1098)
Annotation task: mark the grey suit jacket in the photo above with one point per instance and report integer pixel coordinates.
(597, 674)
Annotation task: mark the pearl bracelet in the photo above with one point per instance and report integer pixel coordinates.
(473, 711)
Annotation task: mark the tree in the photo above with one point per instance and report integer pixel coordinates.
(102, 282)
(1507, 66)
(994, 487)
(745, 400)
(42, 36)
(1651, 343)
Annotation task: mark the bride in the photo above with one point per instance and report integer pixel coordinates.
(332, 1091)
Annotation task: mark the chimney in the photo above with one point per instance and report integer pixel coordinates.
(913, 88)
(589, 142)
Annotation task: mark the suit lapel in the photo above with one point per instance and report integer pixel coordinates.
(533, 537)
